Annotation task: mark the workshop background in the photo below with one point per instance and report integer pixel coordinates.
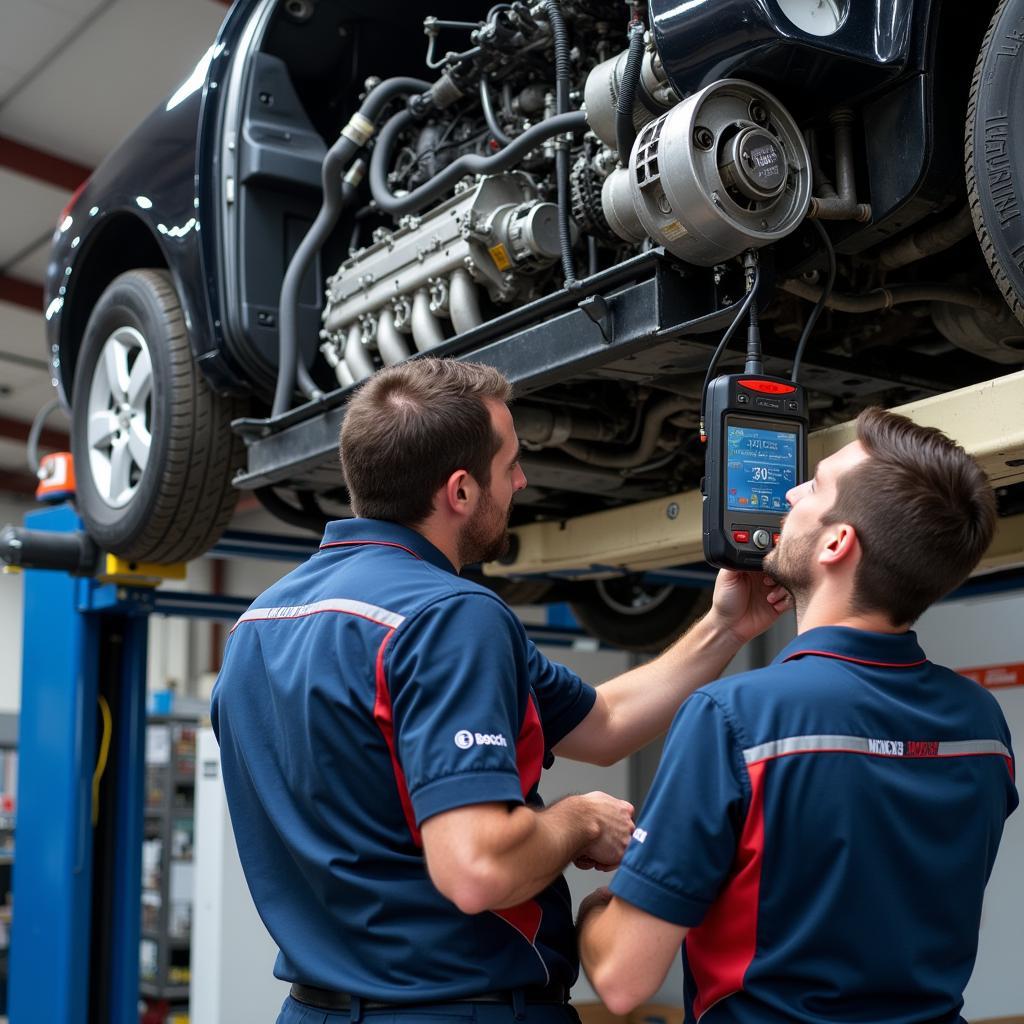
(75, 76)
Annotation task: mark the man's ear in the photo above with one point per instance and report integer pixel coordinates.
(839, 542)
(460, 492)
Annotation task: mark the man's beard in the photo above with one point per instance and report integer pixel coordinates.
(485, 537)
(790, 564)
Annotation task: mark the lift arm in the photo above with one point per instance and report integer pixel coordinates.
(987, 419)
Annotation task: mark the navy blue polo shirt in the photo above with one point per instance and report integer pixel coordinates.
(366, 691)
(825, 828)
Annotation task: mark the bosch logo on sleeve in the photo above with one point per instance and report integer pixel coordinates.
(464, 739)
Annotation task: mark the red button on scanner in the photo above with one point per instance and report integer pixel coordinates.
(775, 538)
(741, 536)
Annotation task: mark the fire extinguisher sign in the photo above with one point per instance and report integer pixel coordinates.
(994, 677)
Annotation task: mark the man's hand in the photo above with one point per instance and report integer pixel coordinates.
(614, 820)
(747, 603)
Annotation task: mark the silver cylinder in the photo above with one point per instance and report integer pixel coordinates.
(703, 199)
(390, 343)
(426, 329)
(619, 207)
(357, 359)
(336, 363)
(654, 94)
(463, 302)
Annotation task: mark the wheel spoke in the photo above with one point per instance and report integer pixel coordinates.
(102, 426)
(140, 381)
(139, 441)
(120, 469)
(115, 361)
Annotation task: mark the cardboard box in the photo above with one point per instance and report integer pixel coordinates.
(656, 1013)
(598, 1013)
(649, 1013)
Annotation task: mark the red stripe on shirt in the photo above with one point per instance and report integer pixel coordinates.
(384, 717)
(858, 661)
(530, 749)
(363, 543)
(721, 948)
(525, 918)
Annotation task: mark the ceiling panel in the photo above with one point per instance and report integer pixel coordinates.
(22, 334)
(31, 30)
(111, 76)
(24, 391)
(33, 266)
(28, 211)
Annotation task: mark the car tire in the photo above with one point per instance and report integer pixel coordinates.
(634, 615)
(994, 151)
(152, 442)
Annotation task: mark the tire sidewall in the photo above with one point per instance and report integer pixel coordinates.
(127, 302)
(998, 141)
(646, 633)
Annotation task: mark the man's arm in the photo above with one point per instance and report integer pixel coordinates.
(489, 856)
(634, 708)
(625, 951)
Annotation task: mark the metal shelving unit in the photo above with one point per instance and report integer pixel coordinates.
(168, 823)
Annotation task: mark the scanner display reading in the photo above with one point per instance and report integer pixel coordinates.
(760, 468)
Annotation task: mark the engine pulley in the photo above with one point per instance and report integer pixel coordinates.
(724, 171)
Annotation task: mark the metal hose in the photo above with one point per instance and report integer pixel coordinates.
(625, 131)
(885, 298)
(487, 104)
(469, 163)
(653, 422)
(355, 135)
(924, 243)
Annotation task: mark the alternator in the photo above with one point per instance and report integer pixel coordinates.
(724, 171)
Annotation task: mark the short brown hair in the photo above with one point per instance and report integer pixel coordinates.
(923, 510)
(410, 427)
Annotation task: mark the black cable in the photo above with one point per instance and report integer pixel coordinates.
(489, 115)
(562, 83)
(625, 132)
(820, 304)
(754, 362)
(737, 320)
(32, 445)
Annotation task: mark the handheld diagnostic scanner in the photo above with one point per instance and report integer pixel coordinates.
(756, 429)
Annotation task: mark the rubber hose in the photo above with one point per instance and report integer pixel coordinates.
(625, 132)
(562, 83)
(281, 509)
(32, 445)
(489, 116)
(470, 163)
(334, 199)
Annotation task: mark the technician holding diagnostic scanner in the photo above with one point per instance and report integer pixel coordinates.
(384, 725)
(820, 832)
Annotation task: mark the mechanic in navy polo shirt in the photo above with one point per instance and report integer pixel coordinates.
(820, 832)
(383, 726)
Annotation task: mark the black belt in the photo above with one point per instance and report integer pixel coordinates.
(329, 999)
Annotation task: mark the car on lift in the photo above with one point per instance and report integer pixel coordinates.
(565, 190)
